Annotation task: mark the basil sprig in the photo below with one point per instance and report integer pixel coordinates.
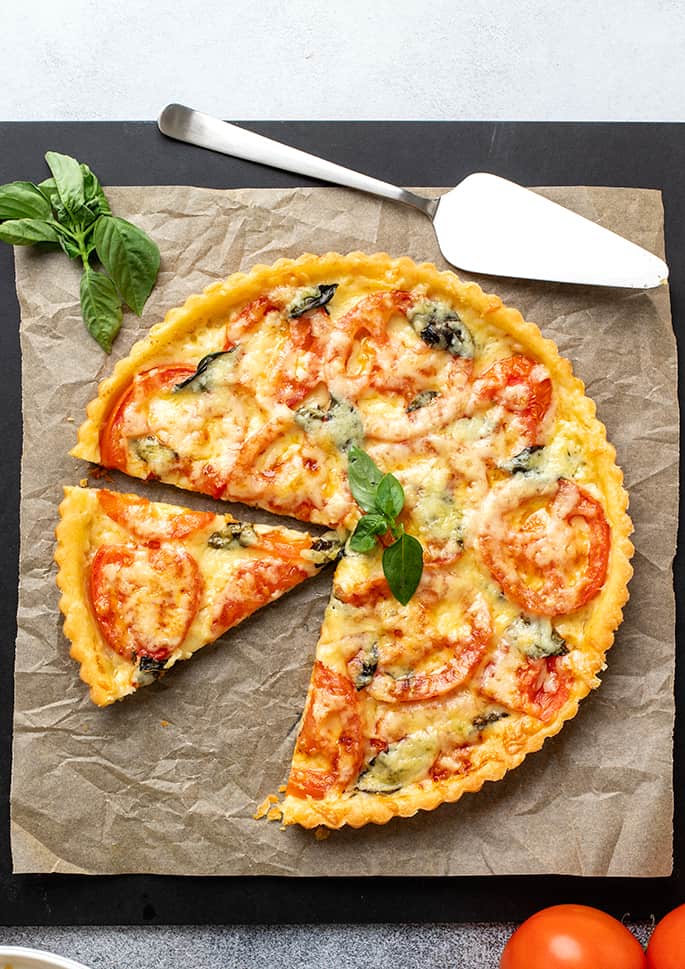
(381, 497)
(71, 210)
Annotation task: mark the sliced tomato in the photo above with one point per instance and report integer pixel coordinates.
(550, 559)
(144, 599)
(365, 358)
(331, 735)
(467, 654)
(452, 762)
(254, 583)
(522, 387)
(544, 686)
(210, 480)
(367, 595)
(250, 317)
(131, 406)
(361, 351)
(297, 365)
(306, 782)
(537, 687)
(290, 547)
(145, 520)
(298, 368)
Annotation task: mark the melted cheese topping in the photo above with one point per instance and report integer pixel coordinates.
(478, 418)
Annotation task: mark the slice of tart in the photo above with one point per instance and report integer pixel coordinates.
(145, 584)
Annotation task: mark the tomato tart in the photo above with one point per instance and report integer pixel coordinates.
(257, 390)
(146, 584)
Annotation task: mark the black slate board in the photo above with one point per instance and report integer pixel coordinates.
(406, 153)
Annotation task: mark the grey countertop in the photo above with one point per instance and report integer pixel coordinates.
(278, 947)
(453, 946)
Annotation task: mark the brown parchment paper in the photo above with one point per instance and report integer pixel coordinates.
(167, 781)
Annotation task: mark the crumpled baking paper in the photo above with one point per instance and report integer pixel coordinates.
(167, 781)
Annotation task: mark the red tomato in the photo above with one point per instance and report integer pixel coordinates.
(296, 367)
(666, 949)
(362, 353)
(572, 524)
(249, 318)
(543, 685)
(113, 441)
(253, 584)
(520, 385)
(466, 655)
(331, 733)
(144, 520)
(144, 599)
(572, 937)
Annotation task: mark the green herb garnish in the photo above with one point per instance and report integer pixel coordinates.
(381, 497)
(71, 210)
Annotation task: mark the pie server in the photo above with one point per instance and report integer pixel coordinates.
(485, 225)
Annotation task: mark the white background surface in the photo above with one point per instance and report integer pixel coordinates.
(577, 60)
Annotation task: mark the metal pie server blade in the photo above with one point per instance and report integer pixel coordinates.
(485, 225)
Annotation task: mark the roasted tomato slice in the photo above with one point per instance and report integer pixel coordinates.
(522, 387)
(296, 367)
(549, 553)
(538, 687)
(250, 317)
(145, 520)
(422, 386)
(465, 653)
(144, 599)
(367, 596)
(363, 354)
(330, 736)
(255, 582)
(128, 417)
(544, 686)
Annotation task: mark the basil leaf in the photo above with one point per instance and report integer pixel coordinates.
(403, 567)
(201, 370)
(48, 189)
(68, 177)
(364, 477)
(25, 232)
(129, 256)
(96, 200)
(69, 246)
(100, 307)
(363, 538)
(390, 496)
(22, 200)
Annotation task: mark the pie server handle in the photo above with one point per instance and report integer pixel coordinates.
(185, 124)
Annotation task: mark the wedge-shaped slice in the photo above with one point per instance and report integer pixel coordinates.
(146, 584)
